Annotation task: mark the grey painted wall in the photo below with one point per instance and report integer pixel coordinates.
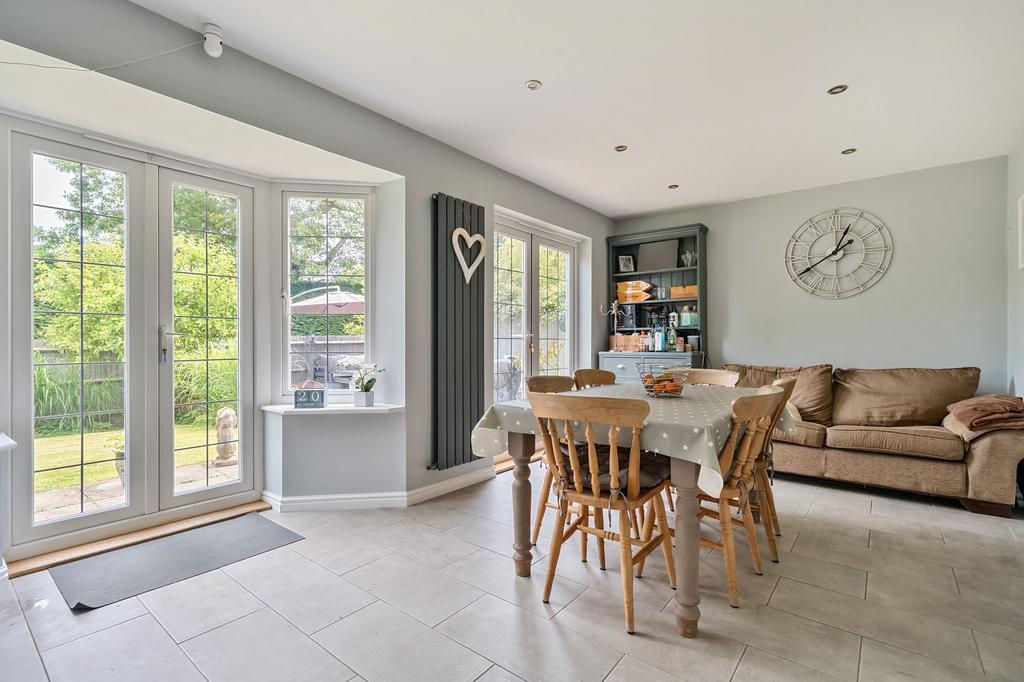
(100, 32)
(941, 304)
(1014, 275)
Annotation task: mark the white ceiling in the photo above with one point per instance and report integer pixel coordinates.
(726, 99)
(118, 111)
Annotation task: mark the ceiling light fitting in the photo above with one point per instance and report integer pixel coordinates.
(837, 89)
(213, 40)
(673, 186)
(533, 84)
(621, 147)
(849, 150)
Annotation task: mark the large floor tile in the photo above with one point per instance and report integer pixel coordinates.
(17, 650)
(382, 643)
(630, 669)
(495, 505)
(422, 543)
(961, 549)
(497, 674)
(53, 623)
(926, 636)
(360, 521)
(338, 550)
(299, 522)
(807, 642)
(807, 569)
(1000, 618)
(191, 607)
(711, 656)
(993, 584)
(1001, 657)
(494, 574)
(836, 531)
(305, 593)
(138, 649)
(759, 666)
(877, 561)
(882, 663)
(434, 513)
(263, 646)
(527, 645)
(420, 591)
(890, 524)
(488, 534)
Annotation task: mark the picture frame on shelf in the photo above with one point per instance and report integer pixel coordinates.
(626, 264)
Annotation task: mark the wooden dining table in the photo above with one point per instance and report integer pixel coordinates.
(690, 429)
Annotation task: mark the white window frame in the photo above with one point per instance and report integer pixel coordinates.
(280, 193)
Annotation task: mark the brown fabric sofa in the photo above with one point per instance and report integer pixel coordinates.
(890, 428)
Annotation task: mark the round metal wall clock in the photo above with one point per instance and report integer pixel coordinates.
(839, 253)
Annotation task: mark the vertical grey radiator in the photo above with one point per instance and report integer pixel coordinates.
(458, 334)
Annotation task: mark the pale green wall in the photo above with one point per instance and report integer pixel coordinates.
(1014, 275)
(941, 304)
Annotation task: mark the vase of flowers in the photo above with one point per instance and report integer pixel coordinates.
(362, 383)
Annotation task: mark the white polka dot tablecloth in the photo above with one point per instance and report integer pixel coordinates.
(693, 426)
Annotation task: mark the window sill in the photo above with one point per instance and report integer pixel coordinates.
(337, 408)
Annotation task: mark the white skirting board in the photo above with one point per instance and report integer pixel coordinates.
(379, 499)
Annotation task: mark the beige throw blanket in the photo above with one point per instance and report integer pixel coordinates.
(989, 413)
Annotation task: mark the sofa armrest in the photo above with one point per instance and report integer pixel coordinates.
(992, 466)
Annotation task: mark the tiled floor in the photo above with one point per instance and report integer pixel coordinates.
(871, 586)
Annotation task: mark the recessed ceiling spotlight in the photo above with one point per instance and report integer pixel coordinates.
(673, 186)
(837, 89)
(849, 150)
(533, 84)
(621, 147)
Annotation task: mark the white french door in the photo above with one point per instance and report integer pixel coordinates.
(205, 338)
(91, 383)
(532, 309)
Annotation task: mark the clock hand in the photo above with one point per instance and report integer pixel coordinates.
(834, 252)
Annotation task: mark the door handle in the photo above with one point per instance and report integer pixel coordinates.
(620, 367)
(166, 339)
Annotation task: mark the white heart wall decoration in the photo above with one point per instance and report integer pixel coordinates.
(461, 233)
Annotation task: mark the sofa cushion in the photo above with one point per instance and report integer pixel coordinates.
(917, 474)
(915, 441)
(805, 433)
(899, 397)
(796, 459)
(812, 394)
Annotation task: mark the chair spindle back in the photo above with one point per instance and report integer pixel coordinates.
(555, 412)
(753, 417)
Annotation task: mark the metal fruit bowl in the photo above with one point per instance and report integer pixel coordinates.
(663, 380)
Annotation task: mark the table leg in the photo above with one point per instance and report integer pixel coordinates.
(687, 553)
(521, 449)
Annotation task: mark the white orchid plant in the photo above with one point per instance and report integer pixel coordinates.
(364, 379)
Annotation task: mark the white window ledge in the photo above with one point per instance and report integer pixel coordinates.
(338, 408)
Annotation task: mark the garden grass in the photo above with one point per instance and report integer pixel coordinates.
(64, 450)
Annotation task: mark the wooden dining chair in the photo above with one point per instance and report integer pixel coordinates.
(597, 480)
(763, 504)
(585, 378)
(712, 377)
(546, 383)
(549, 383)
(705, 377)
(752, 420)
